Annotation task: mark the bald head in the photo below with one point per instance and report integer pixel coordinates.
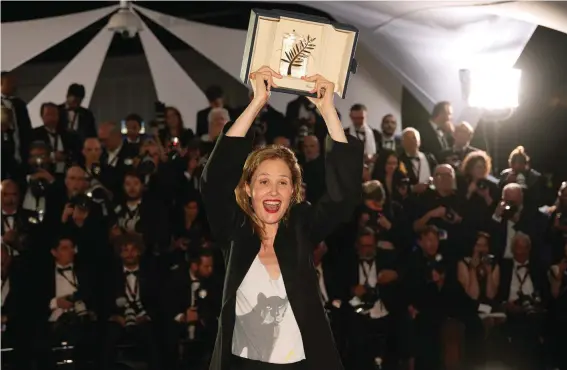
(109, 135)
(513, 193)
(92, 149)
(444, 178)
(10, 196)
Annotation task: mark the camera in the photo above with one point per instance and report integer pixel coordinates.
(97, 192)
(38, 186)
(450, 215)
(487, 259)
(79, 305)
(81, 201)
(434, 263)
(131, 310)
(146, 165)
(482, 184)
(172, 153)
(529, 302)
(510, 209)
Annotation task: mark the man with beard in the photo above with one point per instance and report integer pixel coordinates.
(388, 139)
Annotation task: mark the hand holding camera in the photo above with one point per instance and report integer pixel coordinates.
(42, 174)
(384, 223)
(64, 303)
(67, 212)
(438, 212)
(191, 315)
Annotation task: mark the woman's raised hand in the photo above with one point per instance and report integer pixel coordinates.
(325, 90)
(262, 82)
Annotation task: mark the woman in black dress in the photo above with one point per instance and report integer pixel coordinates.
(272, 317)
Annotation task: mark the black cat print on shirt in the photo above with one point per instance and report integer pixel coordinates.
(262, 323)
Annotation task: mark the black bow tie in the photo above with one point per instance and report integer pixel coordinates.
(525, 266)
(61, 270)
(414, 158)
(132, 273)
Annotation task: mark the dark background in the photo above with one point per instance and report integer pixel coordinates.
(540, 123)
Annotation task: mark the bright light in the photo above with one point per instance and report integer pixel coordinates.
(492, 88)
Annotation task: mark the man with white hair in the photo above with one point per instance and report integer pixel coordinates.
(418, 166)
(217, 118)
(511, 217)
(461, 147)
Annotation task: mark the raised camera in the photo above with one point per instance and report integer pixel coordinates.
(510, 209)
(482, 184)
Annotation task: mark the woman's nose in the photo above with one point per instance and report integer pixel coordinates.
(274, 190)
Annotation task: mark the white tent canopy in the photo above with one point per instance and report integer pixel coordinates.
(420, 45)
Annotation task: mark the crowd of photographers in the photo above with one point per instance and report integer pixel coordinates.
(107, 257)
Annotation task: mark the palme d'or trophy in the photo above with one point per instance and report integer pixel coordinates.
(298, 45)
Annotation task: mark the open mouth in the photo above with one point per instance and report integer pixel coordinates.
(272, 206)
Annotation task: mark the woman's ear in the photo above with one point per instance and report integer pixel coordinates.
(248, 190)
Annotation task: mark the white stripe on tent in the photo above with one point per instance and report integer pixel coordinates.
(21, 41)
(173, 86)
(83, 69)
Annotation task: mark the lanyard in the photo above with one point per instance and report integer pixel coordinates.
(72, 282)
(6, 223)
(365, 271)
(132, 293)
(522, 281)
(74, 121)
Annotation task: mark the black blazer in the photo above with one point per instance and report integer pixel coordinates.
(430, 141)
(414, 178)
(293, 245)
(87, 126)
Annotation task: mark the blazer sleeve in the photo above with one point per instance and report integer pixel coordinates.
(343, 174)
(219, 179)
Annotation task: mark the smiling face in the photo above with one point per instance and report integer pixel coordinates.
(271, 190)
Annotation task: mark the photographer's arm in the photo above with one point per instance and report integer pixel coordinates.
(467, 278)
(493, 282)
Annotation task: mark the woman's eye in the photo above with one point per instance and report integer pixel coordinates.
(284, 183)
(263, 182)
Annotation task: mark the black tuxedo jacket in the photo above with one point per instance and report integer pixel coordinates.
(407, 161)
(71, 142)
(430, 141)
(116, 288)
(377, 137)
(46, 291)
(17, 304)
(178, 300)
(293, 245)
(397, 142)
(87, 126)
(24, 126)
(531, 223)
(384, 260)
(332, 280)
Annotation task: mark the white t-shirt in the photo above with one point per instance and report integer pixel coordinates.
(265, 328)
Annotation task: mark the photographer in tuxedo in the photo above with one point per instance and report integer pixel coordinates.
(430, 298)
(74, 118)
(557, 316)
(64, 145)
(131, 303)
(524, 293)
(65, 306)
(16, 126)
(418, 166)
(441, 206)
(371, 282)
(39, 183)
(521, 173)
(140, 212)
(16, 226)
(16, 304)
(512, 216)
(192, 305)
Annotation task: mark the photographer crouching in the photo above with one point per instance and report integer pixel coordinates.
(371, 280)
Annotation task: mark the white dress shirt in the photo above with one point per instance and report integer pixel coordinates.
(8, 219)
(133, 294)
(521, 281)
(113, 156)
(65, 285)
(388, 142)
